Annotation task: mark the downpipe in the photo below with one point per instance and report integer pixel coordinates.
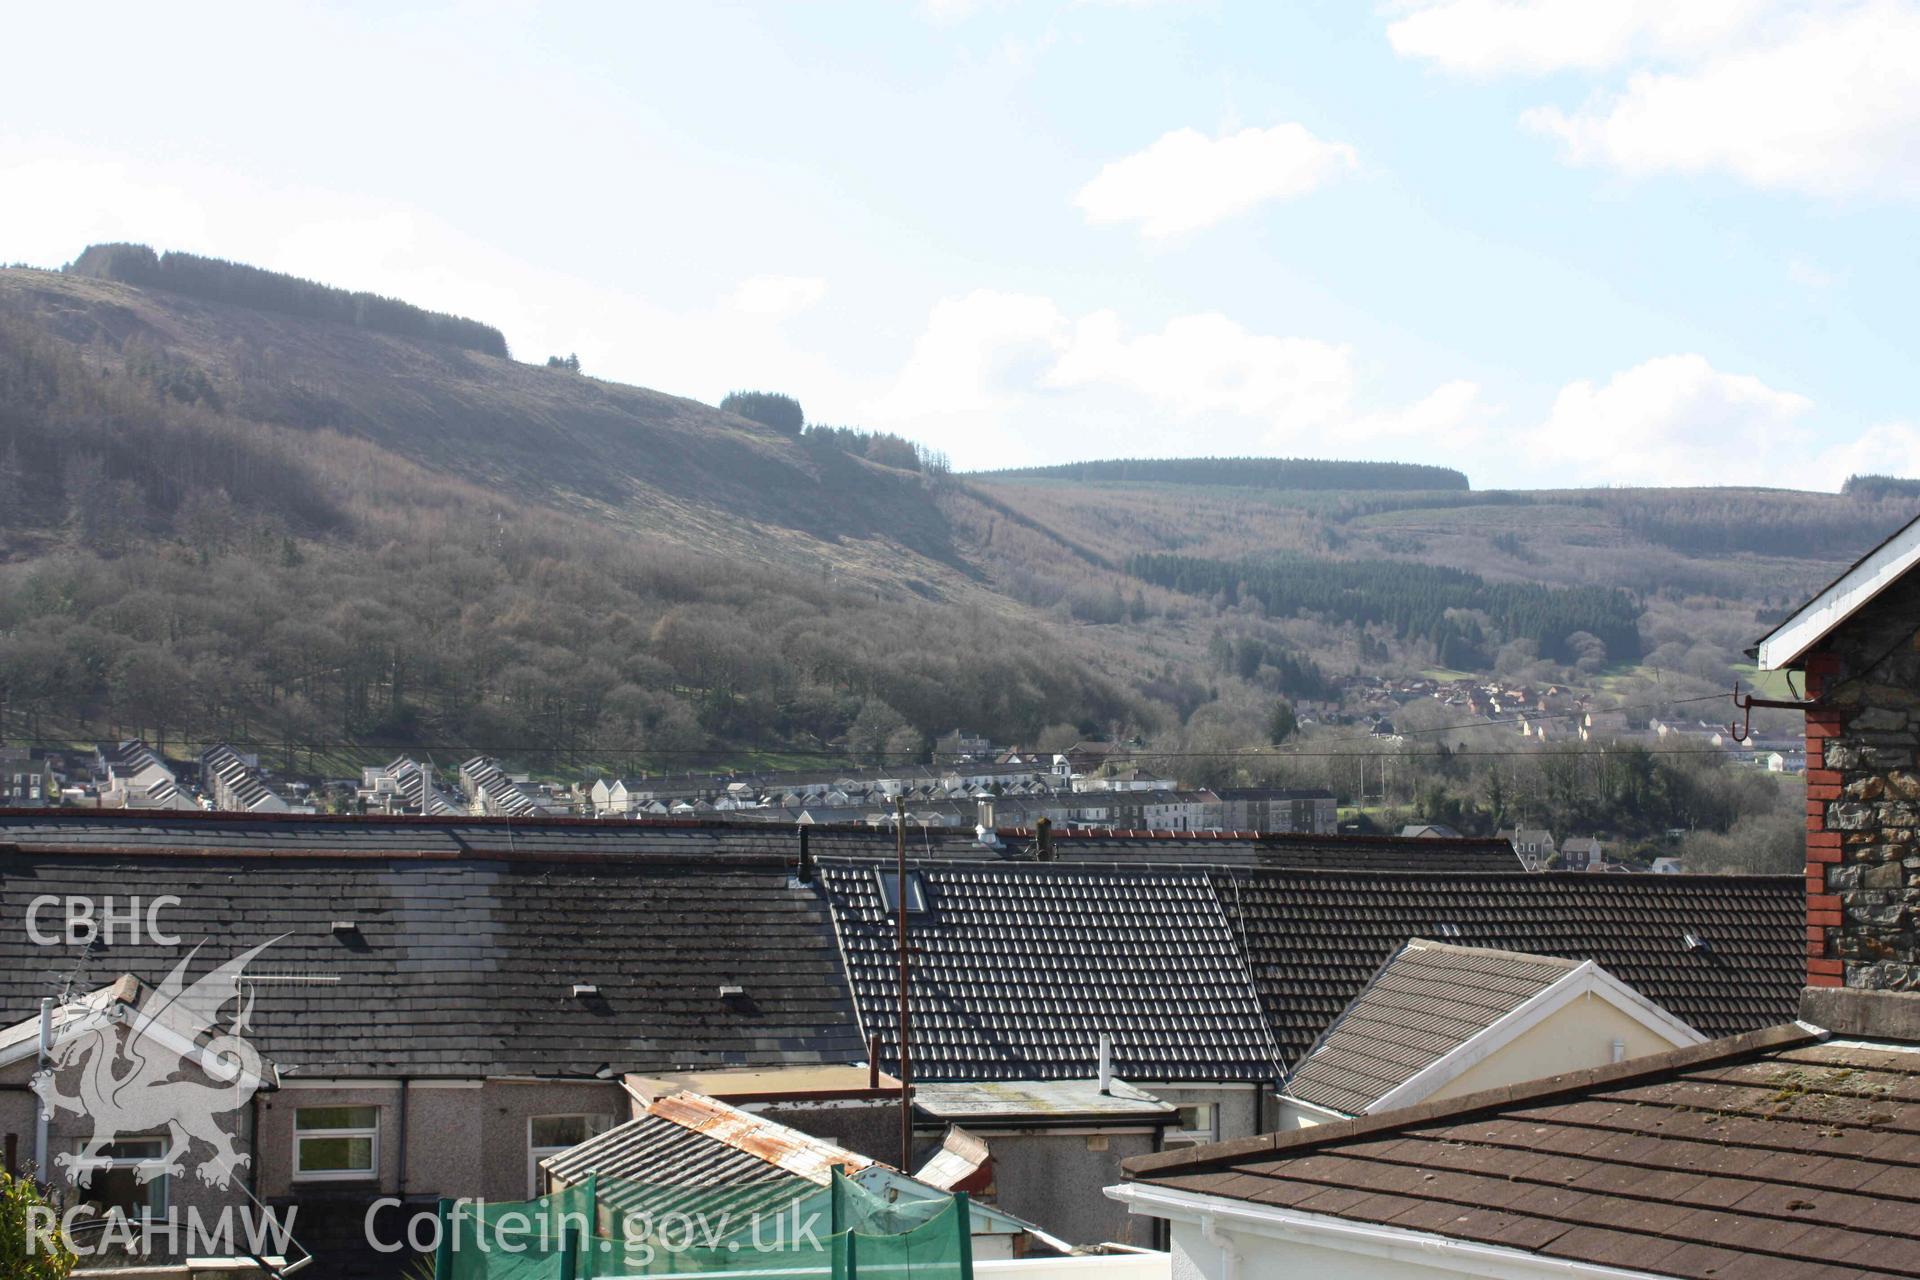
(1229, 1252)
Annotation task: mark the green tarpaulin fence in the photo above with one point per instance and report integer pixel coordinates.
(736, 1231)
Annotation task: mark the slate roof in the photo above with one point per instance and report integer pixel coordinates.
(1424, 1003)
(1313, 939)
(1017, 969)
(472, 931)
(1772, 1154)
(141, 831)
(150, 831)
(465, 968)
(1289, 849)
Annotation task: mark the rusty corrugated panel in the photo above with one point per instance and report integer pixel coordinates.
(785, 1149)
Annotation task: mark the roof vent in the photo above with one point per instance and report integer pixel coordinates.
(345, 926)
(582, 990)
(1695, 942)
(731, 990)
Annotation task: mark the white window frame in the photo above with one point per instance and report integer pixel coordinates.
(598, 1122)
(1194, 1137)
(338, 1175)
(159, 1188)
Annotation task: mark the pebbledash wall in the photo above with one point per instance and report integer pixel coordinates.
(1863, 798)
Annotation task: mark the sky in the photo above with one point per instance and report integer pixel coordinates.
(1548, 242)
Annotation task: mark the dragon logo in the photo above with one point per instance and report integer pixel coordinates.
(130, 1077)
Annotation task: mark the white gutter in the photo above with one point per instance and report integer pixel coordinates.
(1882, 567)
(1290, 1226)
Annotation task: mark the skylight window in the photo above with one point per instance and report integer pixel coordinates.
(889, 882)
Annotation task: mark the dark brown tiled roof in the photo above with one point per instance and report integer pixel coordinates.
(1427, 1001)
(1313, 939)
(1771, 1155)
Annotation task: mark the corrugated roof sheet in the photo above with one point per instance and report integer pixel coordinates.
(688, 1146)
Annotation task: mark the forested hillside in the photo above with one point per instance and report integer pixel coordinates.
(223, 522)
(1303, 474)
(238, 505)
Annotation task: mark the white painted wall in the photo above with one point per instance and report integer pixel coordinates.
(1113, 1266)
(1573, 1038)
(1219, 1239)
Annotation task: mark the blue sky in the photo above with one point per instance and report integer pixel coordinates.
(1548, 241)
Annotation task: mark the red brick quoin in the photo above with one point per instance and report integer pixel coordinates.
(1823, 846)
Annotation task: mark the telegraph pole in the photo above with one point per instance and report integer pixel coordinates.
(900, 944)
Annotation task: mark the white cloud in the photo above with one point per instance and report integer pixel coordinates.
(1818, 96)
(1888, 449)
(1187, 181)
(1005, 379)
(1674, 420)
(1452, 416)
(777, 295)
(1810, 275)
(1831, 107)
(1482, 37)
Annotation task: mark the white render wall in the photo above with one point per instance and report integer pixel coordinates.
(1116, 1266)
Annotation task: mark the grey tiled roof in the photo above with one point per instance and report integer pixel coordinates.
(1018, 969)
(1313, 939)
(465, 968)
(1427, 1001)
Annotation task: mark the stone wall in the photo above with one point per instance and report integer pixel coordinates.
(1863, 798)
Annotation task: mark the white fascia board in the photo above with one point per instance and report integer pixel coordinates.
(1312, 1108)
(1291, 1226)
(159, 1032)
(1585, 979)
(1653, 1017)
(1883, 566)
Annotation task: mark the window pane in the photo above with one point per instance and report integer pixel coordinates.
(336, 1117)
(131, 1149)
(889, 882)
(121, 1189)
(564, 1131)
(336, 1155)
